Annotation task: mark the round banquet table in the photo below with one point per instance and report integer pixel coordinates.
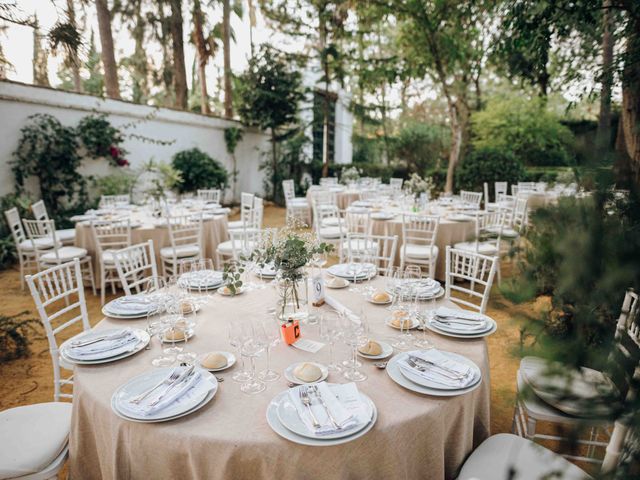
(416, 436)
(449, 233)
(145, 227)
(344, 197)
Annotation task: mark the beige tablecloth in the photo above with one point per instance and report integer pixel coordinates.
(416, 436)
(344, 198)
(215, 232)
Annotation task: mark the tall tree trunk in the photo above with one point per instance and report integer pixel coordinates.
(274, 153)
(226, 44)
(40, 60)
(325, 106)
(630, 112)
(459, 122)
(73, 60)
(107, 53)
(203, 55)
(604, 117)
(252, 24)
(179, 69)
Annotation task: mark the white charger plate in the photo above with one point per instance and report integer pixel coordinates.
(424, 297)
(393, 370)
(415, 378)
(458, 334)
(387, 351)
(289, 417)
(284, 432)
(146, 380)
(231, 361)
(288, 373)
(340, 270)
(143, 340)
(125, 316)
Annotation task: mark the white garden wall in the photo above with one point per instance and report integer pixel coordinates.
(187, 130)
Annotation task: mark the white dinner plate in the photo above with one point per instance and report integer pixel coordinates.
(224, 293)
(284, 432)
(383, 216)
(142, 382)
(393, 370)
(143, 341)
(426, 296)
(387, 351)
(342, 270)
(288, 373)
(459, 217)
(376, 302)
(289, 417)
(415, 378)
(336, 283)
(189, 333)
(107, 312)
(414, 323)
(231, 361)
(458, 334)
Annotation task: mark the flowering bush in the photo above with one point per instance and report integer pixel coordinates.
(417, 185)
(351, 174)
(101, 139)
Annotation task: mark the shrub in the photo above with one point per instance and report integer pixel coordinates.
(101, 139)
(198, 170)
(525, 128)
(438, 177)
(420, 146)
(367, 150)
(15, 332)
(120, 183)
(488, 164)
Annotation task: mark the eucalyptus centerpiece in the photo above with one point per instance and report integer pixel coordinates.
(289, 251)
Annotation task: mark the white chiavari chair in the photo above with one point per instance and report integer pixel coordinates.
(37, 230)
(396, 184)
(328, 225)
(246, 211)
(323, 198)
(488, 235)
(471, 198)
(356, 221)
(258, 213)
(185, 235)
(501, 188)
(377, 249)
(516, 218)
(27, 257)
(527, 187)
(35, 440)
(297, 207)
(67, 236)
(419, 234)
(136, 265)
(112, 201)
(240, 239)
(58, 293)
(534, 406)
(469, 278)
(368, 195)
(211, 195)
(110, 236)
(488, 205)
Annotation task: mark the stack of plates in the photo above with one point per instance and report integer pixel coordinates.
(439, 382)
(201, 280)
(109, 345)
(461, 323)
(181, 399)
(427, 288)
(361, 203)
(361, 271)
(383, 215)
(129, 307)
(459, 217)
(284, 419)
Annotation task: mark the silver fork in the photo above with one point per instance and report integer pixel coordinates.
(315, 391)
(184, 376)
(447, 373)
(306, 401)
(170, 379)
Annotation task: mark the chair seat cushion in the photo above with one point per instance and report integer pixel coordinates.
(181, 251)
(108, 257)
(572, 392)
(65, 254)
(483, 248)
(32, 437)
(499, 454)
(330, 232)
(235, 225)
(412, 250)
(226, 248)
(66, 235)
(41, 243)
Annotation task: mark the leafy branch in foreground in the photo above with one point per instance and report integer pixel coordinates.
(16, 334)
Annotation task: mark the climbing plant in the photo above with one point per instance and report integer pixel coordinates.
(101, 139)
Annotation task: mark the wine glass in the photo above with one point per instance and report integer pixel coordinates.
(329, 333)
(422, 341)
(356, 335)
(187, 322)
(156, 327)
(234, 335)
(155, 292)
(319, 259)
(270, 334)
(252, 347)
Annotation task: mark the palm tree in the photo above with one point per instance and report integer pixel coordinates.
(226, 46)
(72, 59)
(179, 69)
(108, 55)
(205, 47)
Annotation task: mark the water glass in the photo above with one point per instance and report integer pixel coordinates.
(269, 332)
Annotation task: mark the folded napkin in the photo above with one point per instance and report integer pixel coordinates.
(455, 313)
(339, 307)
(178, 395)
(459, 325)
(130, 304)
(343, 401)
(114, 345)
(444, 371)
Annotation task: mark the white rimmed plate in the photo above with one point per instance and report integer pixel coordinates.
(383, 216)
(143, 341)
(108, 311)
(284, 432)
(387, 351)
(414, 323)
(142, 382)
(224, 293)
(425, 296)
(393, 370)
(288, 373)
(368, 270)
(189, 334)
(231, 361)
(458, 334)
(336, 283)
(377, 302)
(416, 378)
(289, 417)
(459, 217)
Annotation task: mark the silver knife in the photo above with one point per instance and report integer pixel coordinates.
(184, 376)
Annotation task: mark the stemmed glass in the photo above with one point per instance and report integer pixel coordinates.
(155, 292)
(187, 321)
(352, 361)
(156, 326)
(329, 333)
(234, 333)
(356, 334)
(269, 333)
(392, 284)
(423, 341)
(252, 346)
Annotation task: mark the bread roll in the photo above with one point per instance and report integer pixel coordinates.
(176, 334)
(371, 348)
(307, 372)
(226, 290)
(400, 323)
(381, 297)
(214, 360)
(186, 307)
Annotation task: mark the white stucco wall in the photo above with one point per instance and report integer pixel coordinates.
(187, 130)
